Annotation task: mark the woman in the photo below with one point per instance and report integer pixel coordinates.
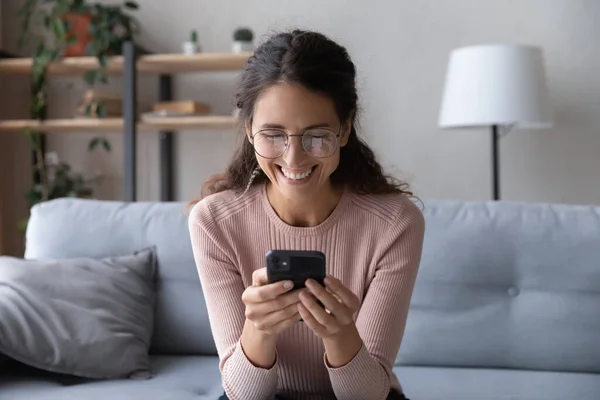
(303, 180)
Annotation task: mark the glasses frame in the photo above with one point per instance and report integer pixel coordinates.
(287, 141)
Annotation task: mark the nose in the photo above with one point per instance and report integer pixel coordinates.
(295, 152)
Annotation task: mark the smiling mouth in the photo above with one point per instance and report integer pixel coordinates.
(296, 176)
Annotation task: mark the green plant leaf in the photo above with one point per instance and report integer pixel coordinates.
(132, 5)
(93, 144)
(35, 139)
(59, 29)
(106, 145)
(90, 77)
(102, 59)
(61, 8)
(88, 110)
(97, 141)
(91, 48)
(22, 226)
(101, 111)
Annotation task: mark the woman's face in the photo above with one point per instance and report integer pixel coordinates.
(291, 109)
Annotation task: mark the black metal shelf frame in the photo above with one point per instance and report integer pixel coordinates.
(130, 54)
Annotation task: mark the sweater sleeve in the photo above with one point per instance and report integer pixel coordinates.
(382, 317)
(223, 287)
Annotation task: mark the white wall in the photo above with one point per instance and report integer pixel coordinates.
(400, 49)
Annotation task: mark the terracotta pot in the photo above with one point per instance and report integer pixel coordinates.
(80, 30)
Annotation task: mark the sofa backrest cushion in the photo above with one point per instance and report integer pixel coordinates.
(507, 285)
(66, 228)
(501, 284)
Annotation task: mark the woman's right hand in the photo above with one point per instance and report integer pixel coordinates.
(270, 307)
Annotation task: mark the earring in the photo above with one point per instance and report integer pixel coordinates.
(255, 173)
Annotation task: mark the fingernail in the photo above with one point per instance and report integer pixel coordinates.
(327, 280)
(288, 285)
(310, 283)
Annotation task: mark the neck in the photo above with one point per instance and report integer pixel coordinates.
(306, 211)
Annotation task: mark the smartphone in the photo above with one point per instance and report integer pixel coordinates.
(296, 266)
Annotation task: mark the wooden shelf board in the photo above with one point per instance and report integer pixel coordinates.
(64, 125)
(83, 125)
(146, 64)
(191, 123)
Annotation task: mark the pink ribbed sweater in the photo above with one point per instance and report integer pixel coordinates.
(372, 244)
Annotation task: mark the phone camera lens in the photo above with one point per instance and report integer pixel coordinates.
(275, 260)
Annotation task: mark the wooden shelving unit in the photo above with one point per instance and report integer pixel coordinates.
(129, 66)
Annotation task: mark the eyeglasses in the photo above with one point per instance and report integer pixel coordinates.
(273, 143)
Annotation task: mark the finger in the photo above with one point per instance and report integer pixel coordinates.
(311, 321)
(268, 292)
(310, 303)
(283, 325)
(280, 302)
(328, 300)
(333, 294)
(341, 291)
(259, 277)
(274, 318)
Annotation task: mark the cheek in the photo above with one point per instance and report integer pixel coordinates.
(330, 164)
(267, 166)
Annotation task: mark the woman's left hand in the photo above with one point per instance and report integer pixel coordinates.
(340, 305)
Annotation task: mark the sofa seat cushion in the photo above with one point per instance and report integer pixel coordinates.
(198, 378)
(429, 383)
(175, 377)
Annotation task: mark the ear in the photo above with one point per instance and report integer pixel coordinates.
(345, 134)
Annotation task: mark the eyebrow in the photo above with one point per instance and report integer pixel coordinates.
(278, 126)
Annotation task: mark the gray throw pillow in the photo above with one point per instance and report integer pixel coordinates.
(3, 360)
(85, 317)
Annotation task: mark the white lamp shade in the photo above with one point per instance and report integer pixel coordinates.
(495, 85)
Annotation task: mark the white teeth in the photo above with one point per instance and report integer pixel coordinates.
(291, 175)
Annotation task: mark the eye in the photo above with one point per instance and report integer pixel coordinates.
(320, 134)
(273, 135)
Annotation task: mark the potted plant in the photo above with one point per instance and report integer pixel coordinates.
(192, 46)
(67, 27)
(58, 180)
(243, 40)
(78, 34)
(57, 28)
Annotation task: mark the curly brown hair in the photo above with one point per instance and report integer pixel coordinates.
(318, 63)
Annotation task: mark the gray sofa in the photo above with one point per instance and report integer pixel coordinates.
(506, 305)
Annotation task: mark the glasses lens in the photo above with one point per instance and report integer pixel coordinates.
(319, 142)
(270, 144)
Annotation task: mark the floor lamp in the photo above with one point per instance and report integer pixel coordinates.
(497, 86)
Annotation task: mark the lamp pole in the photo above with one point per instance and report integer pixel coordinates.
(495, 164)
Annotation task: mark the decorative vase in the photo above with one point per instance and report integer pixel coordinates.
(190, 48)
(80, 30)
(242, 47)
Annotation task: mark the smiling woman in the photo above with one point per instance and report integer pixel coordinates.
(302, 179)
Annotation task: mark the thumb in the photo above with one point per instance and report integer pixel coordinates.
(259, 277)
